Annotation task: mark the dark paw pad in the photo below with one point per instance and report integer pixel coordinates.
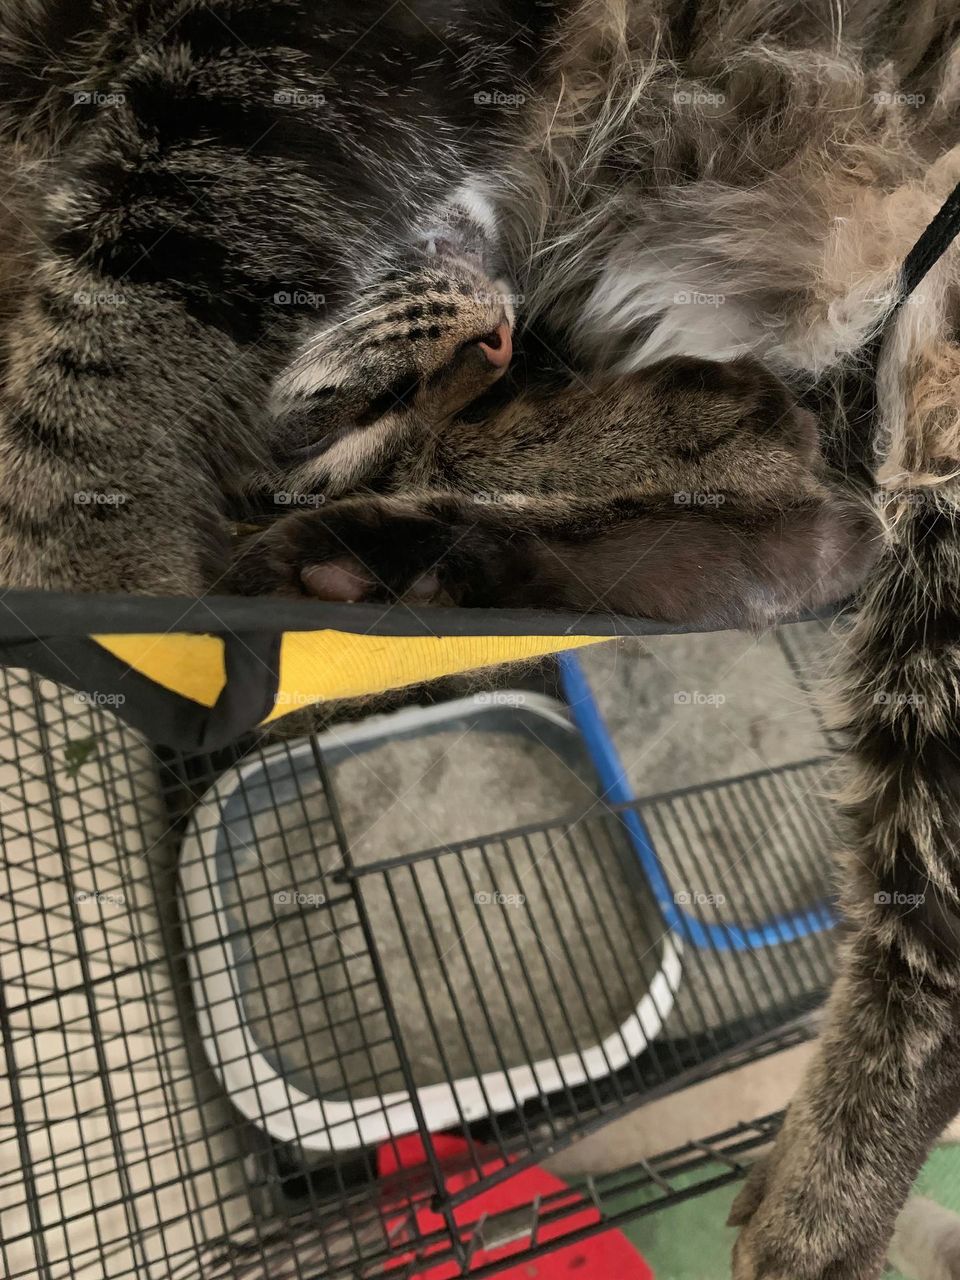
(358, 550)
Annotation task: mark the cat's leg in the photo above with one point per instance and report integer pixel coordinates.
(886, 1079)
(738, 565)
(887, 1073)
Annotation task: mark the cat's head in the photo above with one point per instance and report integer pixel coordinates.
(421, 345)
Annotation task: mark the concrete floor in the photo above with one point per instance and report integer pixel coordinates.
(685, 710)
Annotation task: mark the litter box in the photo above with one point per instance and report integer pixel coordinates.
(356, 981)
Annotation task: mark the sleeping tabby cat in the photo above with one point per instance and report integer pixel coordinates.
(213, 207)
(691, 490)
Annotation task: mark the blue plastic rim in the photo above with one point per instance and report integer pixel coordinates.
(617, 790)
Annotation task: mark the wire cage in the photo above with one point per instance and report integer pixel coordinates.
(244, 1036)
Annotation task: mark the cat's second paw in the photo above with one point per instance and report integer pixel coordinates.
(368, 549)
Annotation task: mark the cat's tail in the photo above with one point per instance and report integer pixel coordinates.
(885, 1079)
(900, 683)
(926, 1243)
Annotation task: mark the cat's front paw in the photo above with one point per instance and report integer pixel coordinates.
(360, 549)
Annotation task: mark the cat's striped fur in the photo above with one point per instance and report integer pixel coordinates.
(198, 181)
(781, 157)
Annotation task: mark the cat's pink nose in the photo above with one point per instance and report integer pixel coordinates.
(498, 346)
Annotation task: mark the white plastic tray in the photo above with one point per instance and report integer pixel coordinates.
(272, 1101)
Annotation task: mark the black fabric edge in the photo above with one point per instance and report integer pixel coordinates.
(253, 676)
(164, 717)
(31, 615)
(159, 714)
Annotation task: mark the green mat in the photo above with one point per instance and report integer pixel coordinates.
(692, 1242)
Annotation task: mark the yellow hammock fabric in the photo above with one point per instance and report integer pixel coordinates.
(318, 666)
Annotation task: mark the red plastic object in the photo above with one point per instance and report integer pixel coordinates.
(606, 1256)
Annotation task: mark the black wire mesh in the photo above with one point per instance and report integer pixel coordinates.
(583, 1209)
(520, 989)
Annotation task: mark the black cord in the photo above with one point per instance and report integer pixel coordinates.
(935, 241)
(859, 391)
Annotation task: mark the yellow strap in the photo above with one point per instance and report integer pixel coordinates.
(317, 666)
(322, 665)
